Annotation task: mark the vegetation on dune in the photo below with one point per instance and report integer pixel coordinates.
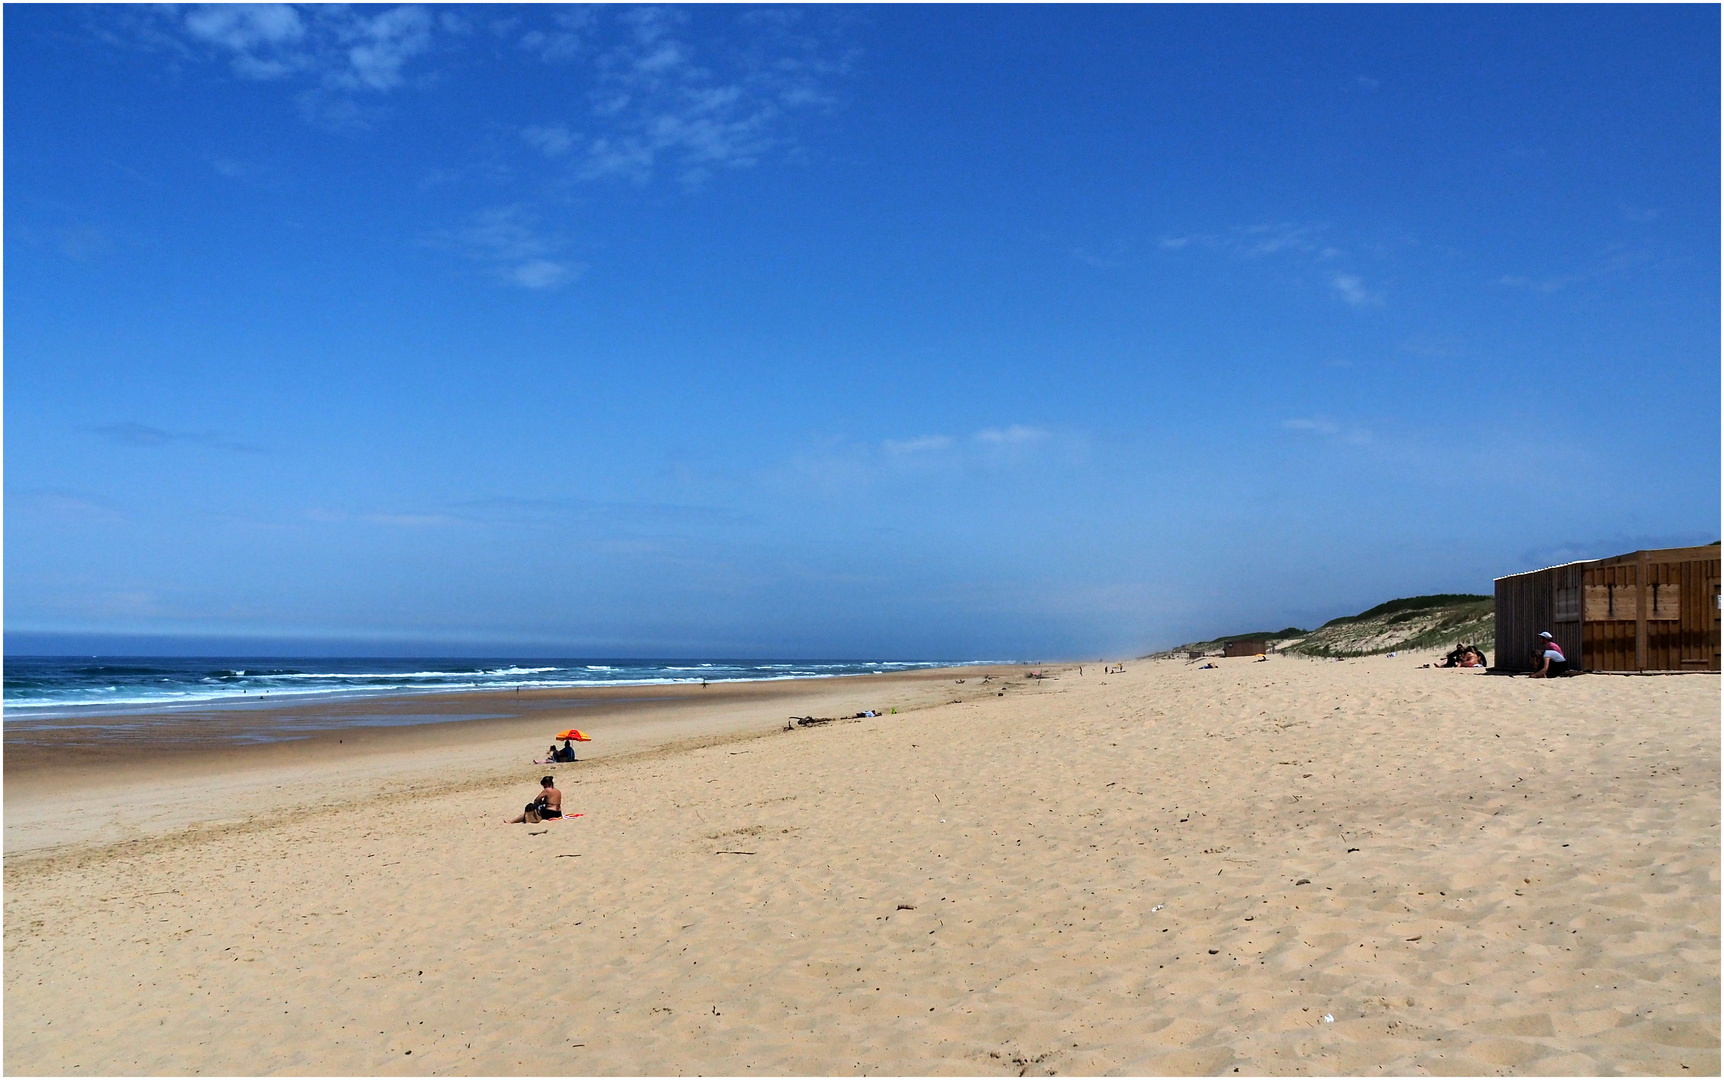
(1410, 604)
(1449, 621)
(1410, 623)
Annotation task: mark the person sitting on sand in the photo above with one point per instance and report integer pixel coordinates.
(1547, 658)
(564, 753)
(548, 805)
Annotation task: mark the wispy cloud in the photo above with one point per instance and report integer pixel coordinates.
(1311, 243)
(340, 47)
(410, 521)
(523, 509)
(1286, 236)
(1016, 435)
(835, 464)
(1351, 288)
(388, 519)
(1323, 427)
(1283, 237)
(54, 502)
(659, 102)
(128, 433)
(1545, 285)
(561, 39)
(1613, 260)
(509, 242)
(338, 54)
(918, 445)
(1315, 427)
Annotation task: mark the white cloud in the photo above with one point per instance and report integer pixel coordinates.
(1311, 425)
(379, 47)
(1351, 288)
(243, 28)
(554, 140)
(1286, 236)
(58, 503)
(508, 241)
(1016, 435)
(659, 103)
(654, 101)
(1542, 285)
(1613, 260)
(917, 445)
(410, 521)
(1305, 241)
(541, 274)
(336, 48)
(1307, 238)
(1323, 427)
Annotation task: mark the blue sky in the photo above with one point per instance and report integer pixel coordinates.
(938, 332)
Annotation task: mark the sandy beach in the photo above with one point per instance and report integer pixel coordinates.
(1280, 867)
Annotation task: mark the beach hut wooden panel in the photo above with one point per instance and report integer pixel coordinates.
(1528, 603)
(1644, 611)
(1245, 648)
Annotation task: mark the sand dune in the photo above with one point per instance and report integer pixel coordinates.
(1285, 867)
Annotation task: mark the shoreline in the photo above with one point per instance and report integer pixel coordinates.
(160, 778)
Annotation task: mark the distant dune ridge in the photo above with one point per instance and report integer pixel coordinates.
(1413, 622)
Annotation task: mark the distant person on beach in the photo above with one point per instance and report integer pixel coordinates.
(1547, 658)
(565, 753)
(549, 804)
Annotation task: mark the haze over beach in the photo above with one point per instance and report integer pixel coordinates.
(826, 419)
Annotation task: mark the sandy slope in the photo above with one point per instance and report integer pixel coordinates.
(1092, 874)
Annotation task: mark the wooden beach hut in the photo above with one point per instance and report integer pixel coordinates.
(1245, 648)
(1644, 611)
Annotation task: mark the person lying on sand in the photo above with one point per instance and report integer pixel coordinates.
(548, 805)
(1464, 656)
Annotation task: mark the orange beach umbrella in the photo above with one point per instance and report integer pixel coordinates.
(578, 736)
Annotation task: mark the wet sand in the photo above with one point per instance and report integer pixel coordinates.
(208, 764)
(1285, 867)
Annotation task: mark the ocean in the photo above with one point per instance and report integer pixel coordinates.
(40, 688)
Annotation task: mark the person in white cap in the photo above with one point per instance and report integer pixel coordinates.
(1547, 658)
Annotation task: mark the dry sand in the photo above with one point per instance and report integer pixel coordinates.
(1170, 870)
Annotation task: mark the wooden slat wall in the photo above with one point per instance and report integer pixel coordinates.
(1528, 603)
(1610, 642)
(1566, 625)
(1689, 642)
